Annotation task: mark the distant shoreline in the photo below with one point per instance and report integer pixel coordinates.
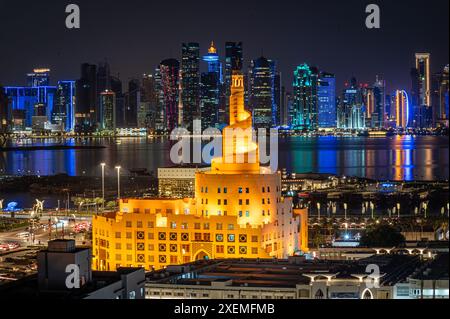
(50, 147)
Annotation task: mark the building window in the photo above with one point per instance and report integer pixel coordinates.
(206, 190)
(225, 190)
(140, 246)
(128, 224)
(129, 235)
(118, 234)
(150, 236)
(242, 238)
(268, 189)
(206, 226)
(184, 236)
(129, 258)
(231, 238)
(201, 189)
(162, 247)
(225, 201)
(254, 251)
(173, 248)
(129, 247)
(162, 259)
(139, 224)
(240, 213)
(151, 247)
(240, 190)
(268, 201)
(173, 236)
(197, 236)
(140, 235)
(218, 190)
(136, 210)
(219, 238)
(147, 211)
(197, 226)
(150, 225)
(243, 250)
(263, 190)
(254, 239)
(173, 259)
(118, 246)
(206, 237)
(247, 190)
(118, 257)
(184, 226)
(219, 202)
(230, 226)
(219, 226)
(173, 225)
(162, 236)
(240, 202)
(220, 249)
(247, 202)
(247, 213)
(231, 250)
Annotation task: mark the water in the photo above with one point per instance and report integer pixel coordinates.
(388, 158)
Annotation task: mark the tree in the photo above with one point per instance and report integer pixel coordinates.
(382, 236)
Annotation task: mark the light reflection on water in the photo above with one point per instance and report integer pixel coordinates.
(394, 158)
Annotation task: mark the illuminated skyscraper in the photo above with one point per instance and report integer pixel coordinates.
(108, 110)
(305, 98)
(147, 112)
(169, 85)
(190, 82)
(39, 77)
(351, 108)
(64, 110)
(423, 89)
(440, 91)
(401, 108)
(379, 112)
(264, 93)
(210, 89)
(326, 94)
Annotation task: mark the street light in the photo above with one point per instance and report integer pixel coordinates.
(345, 210)
(118, 182)
(398, 210)
(103, 185)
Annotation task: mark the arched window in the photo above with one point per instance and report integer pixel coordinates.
(319, 294)
(367, 294)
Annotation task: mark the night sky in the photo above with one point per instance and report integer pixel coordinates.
(134, 35)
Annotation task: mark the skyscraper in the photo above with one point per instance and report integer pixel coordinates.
(169, 85)
(401, 109)
(233, 62)
(305, 98)
(379, 111)
(108, 110)
(440, 89)
(86, 99)
(351, 109)
(64, 110)
(424, 89)
(147, 112)
(132, 102)
(326, 94)
(264, 92)
(210, 89)
(39, 77)
(190, 77)
(3, 111)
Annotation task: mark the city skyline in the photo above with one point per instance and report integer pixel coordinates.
(295, 42)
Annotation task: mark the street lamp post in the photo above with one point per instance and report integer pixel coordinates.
(103, 185)
(118, 182)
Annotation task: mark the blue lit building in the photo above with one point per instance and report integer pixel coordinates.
(39, 77)
(351, 112)
(64, 110)
(210, 89)
(305, 101)
(29, 102)
(326, 94)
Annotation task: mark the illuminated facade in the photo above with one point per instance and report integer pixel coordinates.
(108, 110)
(210, 89)
(64, 110)
(326, 96)
(305, 98)
(190, 83)
(401, 108)
(237, 212)
(169, 70)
